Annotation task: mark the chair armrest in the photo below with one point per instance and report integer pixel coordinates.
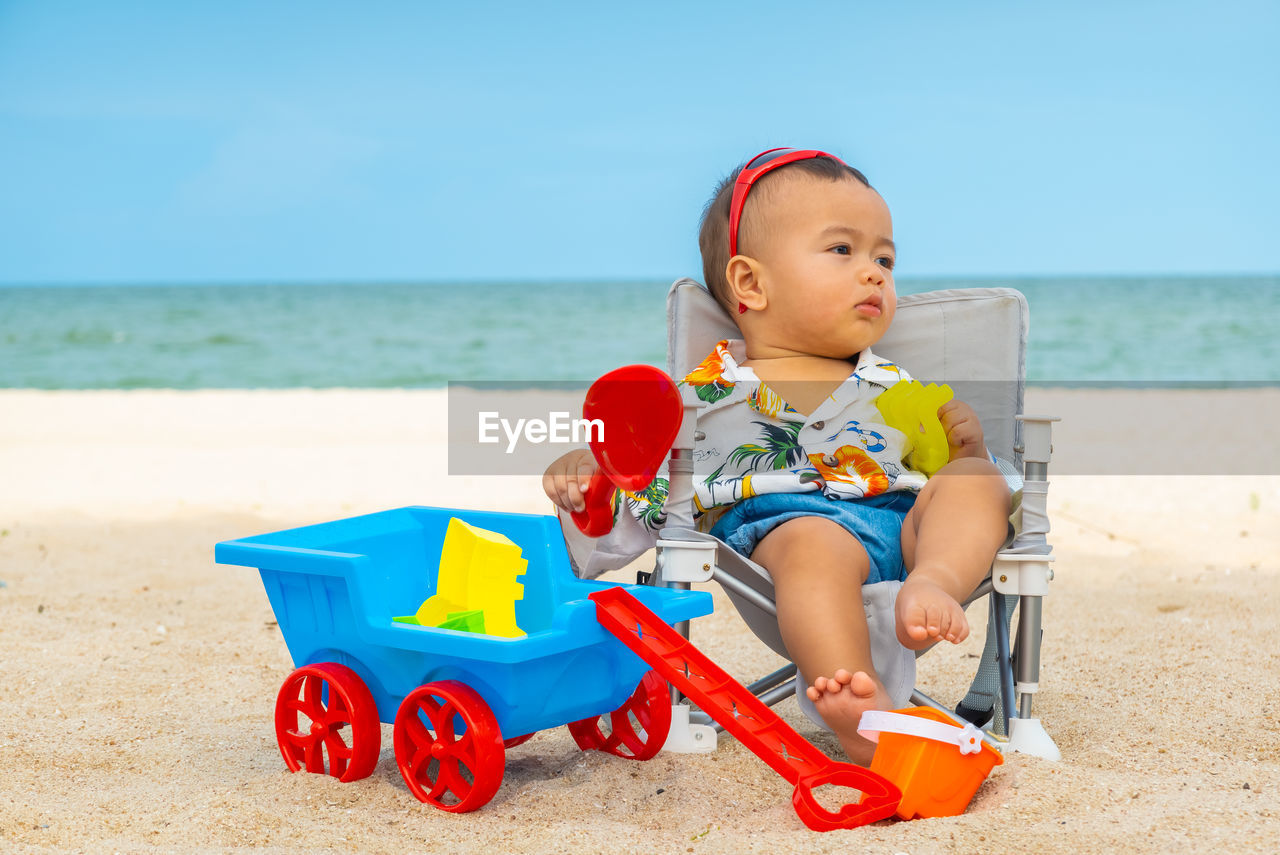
(1037, 445)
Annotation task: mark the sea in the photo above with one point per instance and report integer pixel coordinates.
(1195, 331)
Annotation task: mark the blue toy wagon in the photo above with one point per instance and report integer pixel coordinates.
(456, 700)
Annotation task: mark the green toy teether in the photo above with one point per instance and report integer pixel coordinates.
(912, 407)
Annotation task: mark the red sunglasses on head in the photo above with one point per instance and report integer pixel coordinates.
(756, 167)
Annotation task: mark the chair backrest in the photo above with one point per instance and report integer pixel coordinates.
(972, 338)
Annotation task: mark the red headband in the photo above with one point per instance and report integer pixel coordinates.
(756, 167)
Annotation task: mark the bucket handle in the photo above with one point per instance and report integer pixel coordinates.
(874, 722)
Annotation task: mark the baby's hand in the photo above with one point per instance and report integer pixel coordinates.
(964, 431)
(567, 478)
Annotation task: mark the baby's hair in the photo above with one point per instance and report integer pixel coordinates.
(713, 234)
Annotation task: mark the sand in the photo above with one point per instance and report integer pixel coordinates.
(137, 678)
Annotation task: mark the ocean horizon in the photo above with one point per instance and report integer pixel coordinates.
(1085, 330)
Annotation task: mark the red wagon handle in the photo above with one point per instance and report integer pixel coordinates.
(746, 717)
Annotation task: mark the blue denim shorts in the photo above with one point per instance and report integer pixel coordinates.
(875, 522)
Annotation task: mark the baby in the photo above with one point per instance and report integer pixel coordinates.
(797, 470)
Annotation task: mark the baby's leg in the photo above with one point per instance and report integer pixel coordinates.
(948, 540)
(818, 569)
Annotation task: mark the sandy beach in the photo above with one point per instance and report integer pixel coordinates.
(138, 677)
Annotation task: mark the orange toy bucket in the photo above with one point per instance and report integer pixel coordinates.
(936, 763)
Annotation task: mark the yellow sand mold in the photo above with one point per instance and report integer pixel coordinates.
(912, 407)
(476, 587)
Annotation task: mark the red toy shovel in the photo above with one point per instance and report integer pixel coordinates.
(640, 412)
(745, 716)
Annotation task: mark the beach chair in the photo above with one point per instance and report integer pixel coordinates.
(973, 339)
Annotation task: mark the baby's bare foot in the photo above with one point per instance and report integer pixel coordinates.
(841, 700)
(926, 614)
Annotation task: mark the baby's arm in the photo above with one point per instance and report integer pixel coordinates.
(566, 479)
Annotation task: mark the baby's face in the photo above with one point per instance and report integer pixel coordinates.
(826, 255)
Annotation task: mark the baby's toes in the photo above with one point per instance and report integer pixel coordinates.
(947, 626)
(915, 621)
(959, 628)
(936, 620)
(862, 685)
(826, 685)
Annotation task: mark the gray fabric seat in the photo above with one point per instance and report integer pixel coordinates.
(973, 339)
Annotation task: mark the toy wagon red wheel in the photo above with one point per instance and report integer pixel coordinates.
(317, 707)
(637, 729)
(448, 746)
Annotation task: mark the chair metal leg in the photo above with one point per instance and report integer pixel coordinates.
(681, 627)
(1002, 659)
(1028, 664)
(748, 593)
(1025, 576)
(1026, 733)
(785, 674)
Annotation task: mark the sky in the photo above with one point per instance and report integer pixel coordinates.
(379, 141)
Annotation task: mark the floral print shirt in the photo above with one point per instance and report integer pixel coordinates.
(755, 443)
